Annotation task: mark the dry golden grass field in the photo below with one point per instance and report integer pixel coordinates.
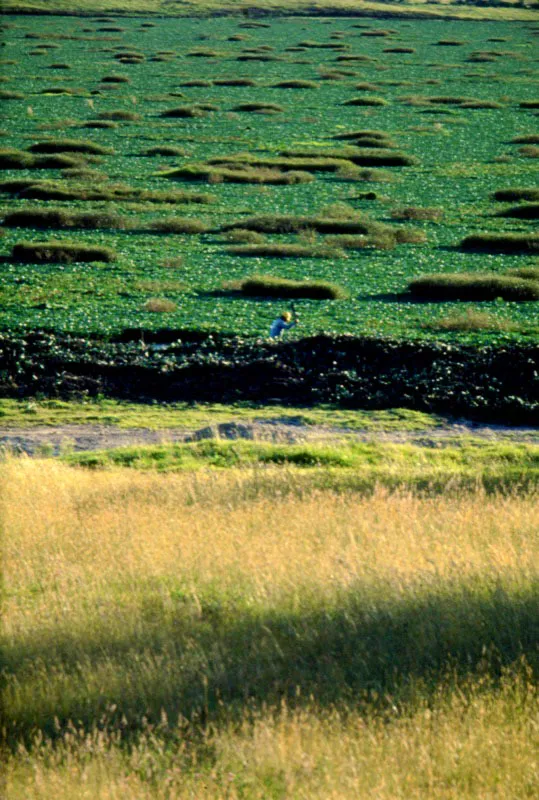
(243, 634)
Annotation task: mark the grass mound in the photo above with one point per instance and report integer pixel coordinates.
(179, 225)
(281, 223)
(471, 320)
(296, 84)
(234, 82)
(183, 112)
(502, 242)
(523, 211)
(239, 173)
(160, 305)
(44, 218)
(375, 100)
(120, 115)
(259, 108)
(517, 193)
(60, 252)
(70, 146)
(269, 286)
(50, 190)
(474, 286)
(417, 213)
(164, 150)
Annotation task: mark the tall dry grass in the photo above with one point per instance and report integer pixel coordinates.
(175, 636)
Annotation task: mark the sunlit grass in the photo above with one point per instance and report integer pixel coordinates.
(178, 636)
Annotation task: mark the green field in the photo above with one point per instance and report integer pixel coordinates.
(455, 110)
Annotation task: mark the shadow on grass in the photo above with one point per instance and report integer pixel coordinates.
(208, 661)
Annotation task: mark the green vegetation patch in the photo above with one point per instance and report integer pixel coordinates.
(269, 286)
(60, 252)
(474, 286)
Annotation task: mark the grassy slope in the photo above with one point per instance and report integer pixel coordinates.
(195, 7)
(32, 413)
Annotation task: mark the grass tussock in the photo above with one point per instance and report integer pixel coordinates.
(70, 146)
(502, 242)
(270, 286)
(296, 84)
(417, 213)
(239, 173)
(471, 320)
(60, 252)
(373, 100)
(517, 193)
(328, 223)
(120, 115)
(160, 305)
(179, 225)
(260, 108)
(184, 112)
(44, 218)
(474, 286)
(49, 190)
(522, 211)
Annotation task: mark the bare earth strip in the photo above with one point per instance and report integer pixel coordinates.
(77, 438)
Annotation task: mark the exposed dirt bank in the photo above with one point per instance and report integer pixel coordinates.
(77, 438)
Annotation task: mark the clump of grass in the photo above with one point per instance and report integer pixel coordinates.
(120, 115)
(529, 151)
(44, 218)
(183, 112)
(502, 242)
(160, 305)
(417, 213)
(16, 159)
(115, 78)
(360, 156)
(60, 252)
(234, 82)
(84, 175)
(450, 43)
(49, 190)
(164, 150)
(473, 286)
(399, 50)
(269, 286)
(523, 211)
(471, 320)
(268, 250)
(296, 84)
(528, 273)
(70, 146)
(382, 32)
(471, 104)
(244, 236)
(259, 108)
(60, 65)
(179, 225)
(528, 138)
(103, 124)
(6, 94)
(529, 104)
(196, 82)
(374, 100)
(287, 223)
(516, 193)
(239, 173)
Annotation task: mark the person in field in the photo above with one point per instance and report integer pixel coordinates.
(283, 323)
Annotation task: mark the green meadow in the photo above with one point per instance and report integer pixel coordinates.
(151, 166)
